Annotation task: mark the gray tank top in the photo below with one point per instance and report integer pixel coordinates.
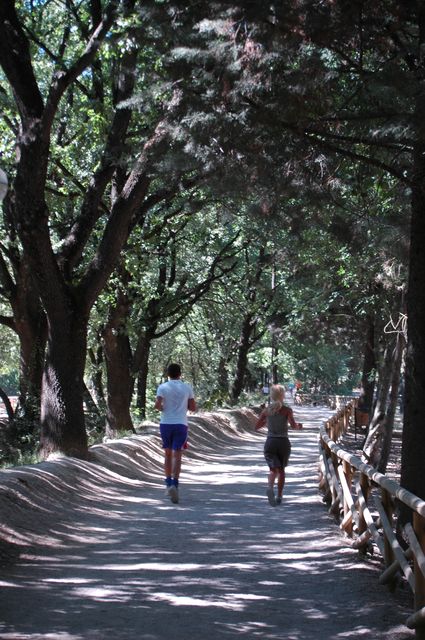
(277, 426)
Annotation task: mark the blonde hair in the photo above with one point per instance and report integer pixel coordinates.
(277, 394)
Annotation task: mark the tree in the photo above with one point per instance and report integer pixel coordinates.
(255, 303)
(171, 263)
(344, 80)
(298, 108)
(67, 281)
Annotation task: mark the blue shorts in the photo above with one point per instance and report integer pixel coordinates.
(173, 436)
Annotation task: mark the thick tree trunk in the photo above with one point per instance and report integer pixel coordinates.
(31, 327)
(29, 324)
(120, 383)
(32, 352)
(242, 360)
(62, 412)
(23, 430)
(413, 448)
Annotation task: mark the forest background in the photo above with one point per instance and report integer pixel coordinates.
(237, 186)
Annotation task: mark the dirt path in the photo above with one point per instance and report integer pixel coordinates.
(126, 564)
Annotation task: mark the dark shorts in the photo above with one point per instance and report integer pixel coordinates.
(277, 452)
(173, 436)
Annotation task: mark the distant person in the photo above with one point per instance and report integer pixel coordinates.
(174, 399)
(277, 448)
(291, 388)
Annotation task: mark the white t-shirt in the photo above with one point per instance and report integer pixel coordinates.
(175, 395)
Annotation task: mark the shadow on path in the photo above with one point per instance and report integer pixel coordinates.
(124, 563)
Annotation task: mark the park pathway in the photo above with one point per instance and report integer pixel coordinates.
(221, 564)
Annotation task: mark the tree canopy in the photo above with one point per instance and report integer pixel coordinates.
(235, 185)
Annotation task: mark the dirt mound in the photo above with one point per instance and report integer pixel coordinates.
(36, 501)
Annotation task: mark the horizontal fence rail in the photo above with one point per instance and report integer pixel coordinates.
(366, 503)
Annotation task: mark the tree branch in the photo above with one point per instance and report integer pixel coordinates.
(8, 321)
(118, 227)
(9, 286)
(63, 79)
(92, 207)
(16, 62)
(322, 139)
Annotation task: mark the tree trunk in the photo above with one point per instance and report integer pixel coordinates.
(141, 366)
(29, 323)
(7, 405)
(223, 376)
(97, 360)
(413, 448)
(62, 412)
(388, 427)
(120, 383)
(68, 296)
(242, 360)
(32, 346)
(142, 378)
(23, 430)
(373, 437)
(94, 418)
(369, 368)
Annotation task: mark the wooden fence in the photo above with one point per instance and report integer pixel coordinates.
(366, 503)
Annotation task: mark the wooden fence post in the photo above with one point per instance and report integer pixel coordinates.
(388, 508)
(346, 474)
(365, 488)
(347, 507)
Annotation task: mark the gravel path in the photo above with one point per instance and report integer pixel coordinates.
(221, 564)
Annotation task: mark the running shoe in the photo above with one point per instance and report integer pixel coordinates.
(174, 494)
(270, 497)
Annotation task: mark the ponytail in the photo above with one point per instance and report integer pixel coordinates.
(277, 394)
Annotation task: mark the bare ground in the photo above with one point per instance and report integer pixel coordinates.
(94, 550)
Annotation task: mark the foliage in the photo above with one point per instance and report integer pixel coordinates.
(276, 202)
(9, 381)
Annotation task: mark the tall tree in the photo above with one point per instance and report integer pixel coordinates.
(343, 80)
(67, 282)
(186, 257)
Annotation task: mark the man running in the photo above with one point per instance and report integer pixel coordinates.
(174, 399)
